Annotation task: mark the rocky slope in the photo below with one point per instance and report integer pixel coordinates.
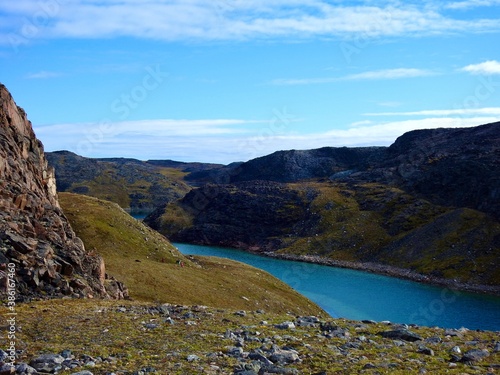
(429, 204)
(133, 338)
(40, 255)
(451, 167)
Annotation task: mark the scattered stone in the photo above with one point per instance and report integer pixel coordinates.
(23, 368)
(307, 321)
(85, 372)
(496, 349)
(50, 363)
(7, 369)
(456, 349)
(401, 334)
(284, 356)
(425, 350)
(192, 358)
(475, 355)
(285, 325)
(241, 313)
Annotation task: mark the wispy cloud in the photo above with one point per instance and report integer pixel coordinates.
(486, 68)
(471, 4)
(225, 141)
(390, 74)
(490, 111)
(239, 20)
(43, 75)
(383, 74)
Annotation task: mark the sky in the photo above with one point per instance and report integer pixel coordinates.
(230, 80)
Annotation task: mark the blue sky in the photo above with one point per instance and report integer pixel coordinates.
(230, 80)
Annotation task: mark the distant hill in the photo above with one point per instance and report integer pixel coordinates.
(453, 167)
(428, 203)
(133, 184)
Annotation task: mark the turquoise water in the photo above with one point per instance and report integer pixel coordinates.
(360, 295)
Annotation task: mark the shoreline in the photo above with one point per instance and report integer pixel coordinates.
(386, 270)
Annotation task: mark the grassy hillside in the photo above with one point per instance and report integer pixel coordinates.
(133, 184)
(148, 264)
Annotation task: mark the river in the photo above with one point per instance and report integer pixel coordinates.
(361, 295)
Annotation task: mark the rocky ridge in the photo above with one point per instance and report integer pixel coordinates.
(40, 255)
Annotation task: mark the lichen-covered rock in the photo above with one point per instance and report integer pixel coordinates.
(40, 255)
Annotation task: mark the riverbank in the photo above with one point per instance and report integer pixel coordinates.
(386, 270)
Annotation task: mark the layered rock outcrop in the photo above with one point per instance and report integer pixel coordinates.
(40, 255)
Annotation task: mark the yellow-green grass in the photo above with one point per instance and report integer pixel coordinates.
(112, 187)
(148, 264)
(99, 329)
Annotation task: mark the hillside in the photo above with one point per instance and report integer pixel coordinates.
(148, 264)
(451, 167)
(428, 204)
(133, 184)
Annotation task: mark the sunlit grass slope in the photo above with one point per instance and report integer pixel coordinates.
(148, 264)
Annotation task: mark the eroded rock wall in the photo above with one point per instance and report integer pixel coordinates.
(36, 239)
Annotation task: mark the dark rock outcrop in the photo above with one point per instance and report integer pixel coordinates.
(40, 255)
(294, 165)
(251, 215)
(456, 167)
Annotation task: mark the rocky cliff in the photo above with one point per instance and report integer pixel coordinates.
(452, 167)
(40, 255)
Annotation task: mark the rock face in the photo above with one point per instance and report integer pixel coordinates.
(40, 255)
(450, 167)
(250, 215)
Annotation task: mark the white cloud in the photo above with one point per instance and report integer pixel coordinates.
(461, 5)
(234, 20)
(487, 67)
(224, 141)
(43, 75)
(491, 111)
(390, 74)
(383, 74)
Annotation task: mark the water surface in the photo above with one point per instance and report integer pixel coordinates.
(361, 295)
